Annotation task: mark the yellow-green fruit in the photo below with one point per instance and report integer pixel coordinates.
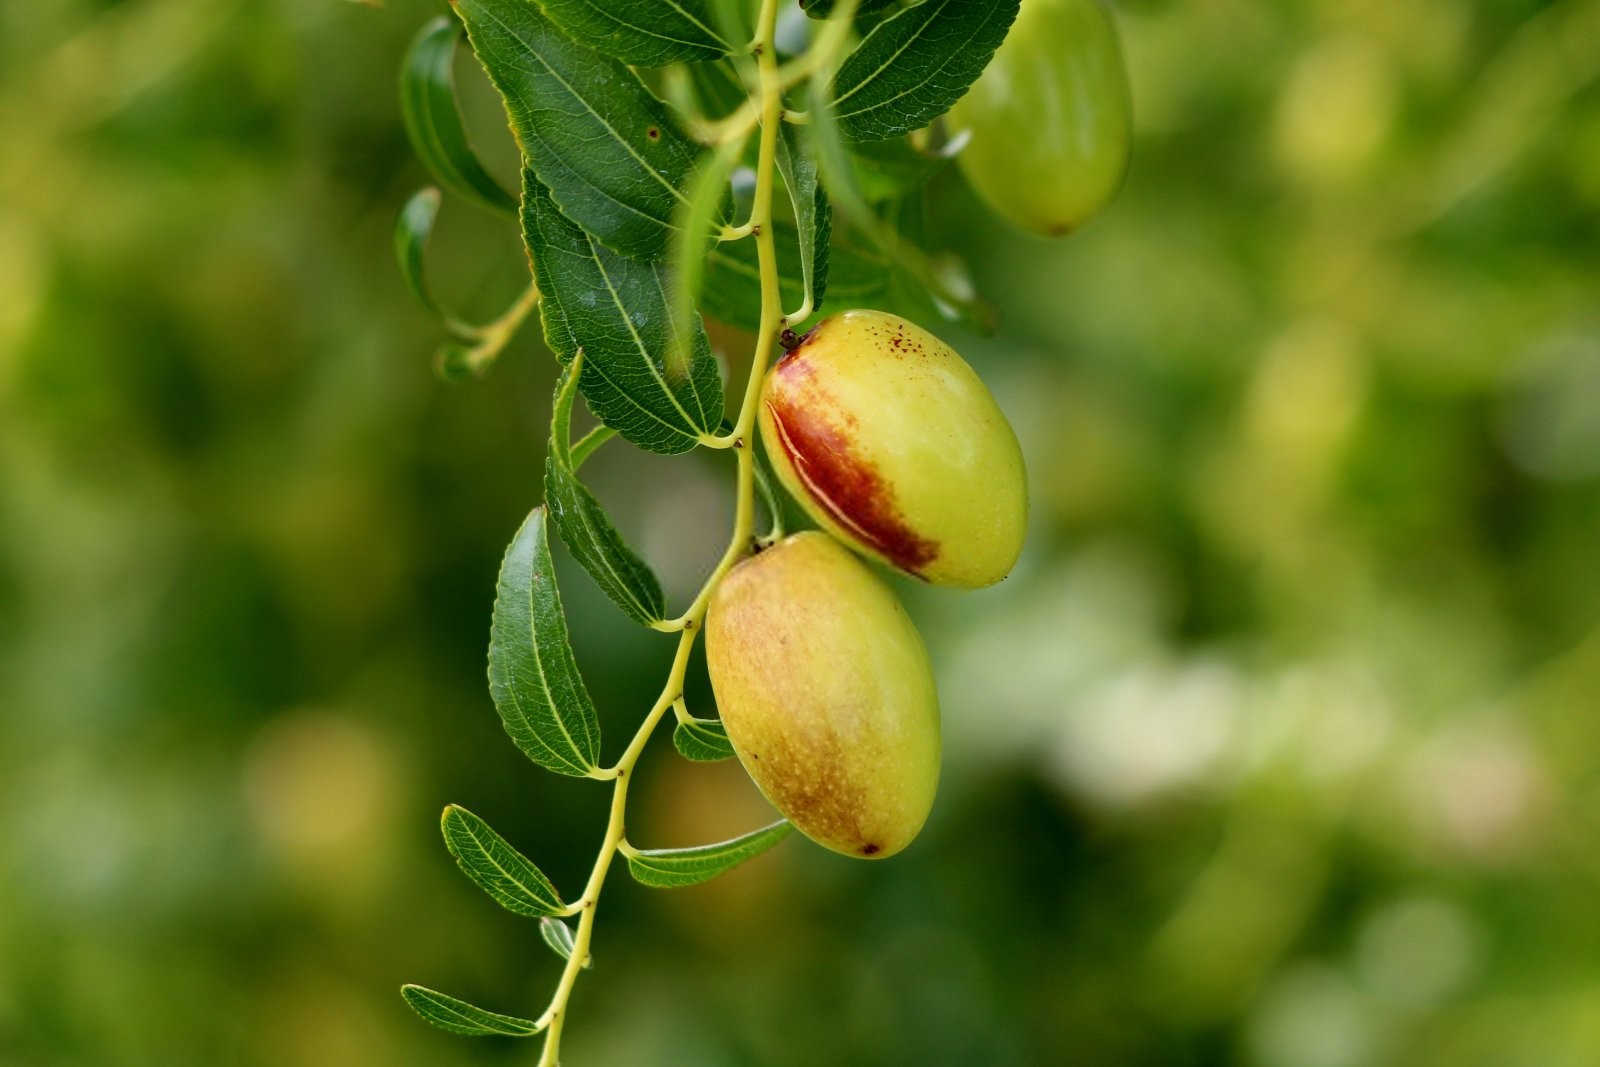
(891, 442)
(1050, 118)
(826, 693)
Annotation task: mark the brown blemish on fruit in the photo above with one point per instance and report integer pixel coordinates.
(808, 780)
(850, 491)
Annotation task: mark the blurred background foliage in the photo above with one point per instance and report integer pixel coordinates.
(1279, 748)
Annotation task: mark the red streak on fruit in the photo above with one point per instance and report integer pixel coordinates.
(851, 492)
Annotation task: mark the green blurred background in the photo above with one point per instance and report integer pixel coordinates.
(1279, 748)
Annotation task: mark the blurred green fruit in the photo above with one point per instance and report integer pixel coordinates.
(1050, 118)
(826, 693)
(890, 441)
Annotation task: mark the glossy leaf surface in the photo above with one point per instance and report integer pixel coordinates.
(458, 1017)
(607, 149)
(702, 740)
(912, 67)
(433, 121)
(496, 867)
(583, 523)
(533, 675)
(617, 310)
(644, 33)
(673, 868)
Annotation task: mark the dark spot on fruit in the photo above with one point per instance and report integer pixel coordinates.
(869, 850)
(850, 491)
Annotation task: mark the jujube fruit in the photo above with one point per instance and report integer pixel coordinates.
(826, 693)
(1050, 118)
(891, 442)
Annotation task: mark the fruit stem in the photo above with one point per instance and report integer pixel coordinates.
(688, 625)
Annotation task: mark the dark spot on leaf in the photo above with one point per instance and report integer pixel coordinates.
(653, 133)
(848, 489)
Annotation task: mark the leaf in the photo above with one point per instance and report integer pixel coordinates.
(558, 935)
(433, 121)
(495, 867)
(533, 675)
(459, 1017)
(644, 33)
(583, 524)
(914, 66)
(616, 310)
(732, 290)
(673, 868)
(812, 215)
(412, 228)
(821, 9)
(599, 141)
(702, 740)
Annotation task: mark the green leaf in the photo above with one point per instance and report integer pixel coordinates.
(702, 740)
(821, 9)
(533, 675)
(606, 149)
(644, 33)
(433, 121)
(412, 228)
(914, 66)
(673, 868)
(583, 524)
(495, 867)
(812, 215)
(459, 1017)
(616, 310)
(558, 935)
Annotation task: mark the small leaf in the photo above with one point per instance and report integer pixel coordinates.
(702, 740)
(599, 141)
(616, 310)
(533, 675)
(673, 868)
(495, 867)
(914, 66)
(412, 228)
(558, 935)
(583, 524)
(459, 1017)
(644, 33)
(433, 121)
(812, 215)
